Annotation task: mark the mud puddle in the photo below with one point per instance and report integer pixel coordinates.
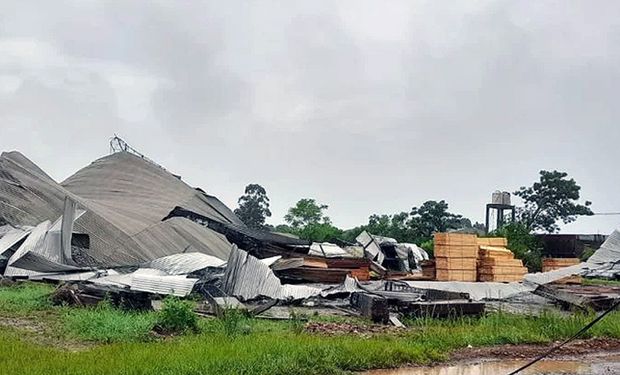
(594, 365)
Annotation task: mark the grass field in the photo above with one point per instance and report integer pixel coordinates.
(117, 342)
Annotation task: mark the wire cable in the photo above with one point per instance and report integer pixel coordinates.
(581, 331)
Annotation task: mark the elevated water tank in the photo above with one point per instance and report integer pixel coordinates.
(496, 197)
(506, 198)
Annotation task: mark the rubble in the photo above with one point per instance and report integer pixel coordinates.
(125, 228)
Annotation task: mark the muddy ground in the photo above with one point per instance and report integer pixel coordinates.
(527, 351)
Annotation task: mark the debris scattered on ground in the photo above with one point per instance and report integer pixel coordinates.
(125, 229)
(350, 329)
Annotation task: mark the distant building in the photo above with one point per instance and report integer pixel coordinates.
(569, 245)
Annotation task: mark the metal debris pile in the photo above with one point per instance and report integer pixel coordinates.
(125, 227)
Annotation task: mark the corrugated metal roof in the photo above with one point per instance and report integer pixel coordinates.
(125, 197)
(11, 238)
(150, 280)
(247, 277)
(185, 263)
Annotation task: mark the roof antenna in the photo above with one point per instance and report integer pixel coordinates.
(117, 144)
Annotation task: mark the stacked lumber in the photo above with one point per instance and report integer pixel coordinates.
(428, 269)
(497, 263)
(455, 256)
(322, 270)
(552, 264)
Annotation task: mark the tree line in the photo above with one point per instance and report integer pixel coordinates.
(552, 199)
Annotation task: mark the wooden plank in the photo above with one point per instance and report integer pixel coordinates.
(455, 263)
(492, 241)
(500, 278)
(455, 275)
(315, 262)
(347, 262)
(454, 239)
(501, 262)
(495, 270)
(560, 262)
(495, 252)
(461, 251)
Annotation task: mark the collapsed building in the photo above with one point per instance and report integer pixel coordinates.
(124, 224)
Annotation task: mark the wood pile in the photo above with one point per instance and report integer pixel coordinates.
(455, 256)
(428, 268)
(552, 264)
(322, 270)
(496, 262)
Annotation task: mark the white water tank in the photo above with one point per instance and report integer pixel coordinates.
(506, 198)
(496, 197)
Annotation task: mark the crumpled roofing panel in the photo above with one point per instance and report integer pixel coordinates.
(150, 280)
(125, 198)
(11, 238)
(185, 263)
(136, 192)
(246, 277)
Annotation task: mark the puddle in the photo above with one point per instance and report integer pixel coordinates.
(606, 365)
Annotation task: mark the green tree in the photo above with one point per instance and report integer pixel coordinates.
(307, 219)
(320, 232)
(305, 212)
(431, 217)
(254, 207)
(554, 197)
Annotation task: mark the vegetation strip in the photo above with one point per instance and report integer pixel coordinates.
(124, 342)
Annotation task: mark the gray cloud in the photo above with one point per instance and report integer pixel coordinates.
(366, 107)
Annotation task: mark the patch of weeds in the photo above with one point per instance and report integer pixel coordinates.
(176, 317)
(234, 322)
(298, 321)
(105, 323)
(25, 297)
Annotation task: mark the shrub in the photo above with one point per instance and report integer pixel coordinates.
(176, 316)
(429, 247)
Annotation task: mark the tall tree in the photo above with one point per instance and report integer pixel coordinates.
(254, 206)
(433, 216)
(306, 211)
(307, 219)
(554, 197)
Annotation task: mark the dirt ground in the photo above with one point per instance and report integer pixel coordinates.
(575, 348)
(350, 328)
(38, 329)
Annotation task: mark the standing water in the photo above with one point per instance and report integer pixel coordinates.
(606, 365)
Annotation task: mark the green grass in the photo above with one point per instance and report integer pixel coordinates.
(107, 324)
(24, 298)
(226, 346)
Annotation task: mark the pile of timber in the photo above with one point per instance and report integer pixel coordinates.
(428, 268)
(455, 256)
(552, 264)
(496, 262)
(322, 270)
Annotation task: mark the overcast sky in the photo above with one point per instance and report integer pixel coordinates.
(367, 106)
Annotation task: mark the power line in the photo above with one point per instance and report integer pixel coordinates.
(553, 349)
